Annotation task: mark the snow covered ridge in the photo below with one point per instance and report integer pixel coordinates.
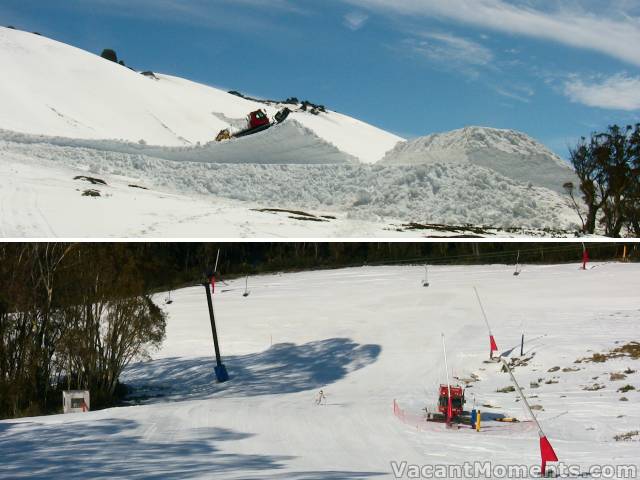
(511, 153)
(54, 89)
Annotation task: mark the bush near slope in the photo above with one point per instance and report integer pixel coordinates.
(109, 54)
(71, 317)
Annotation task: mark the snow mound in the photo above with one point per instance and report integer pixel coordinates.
(508, 152)
(287, 143)
(452, 194)
(50, 88)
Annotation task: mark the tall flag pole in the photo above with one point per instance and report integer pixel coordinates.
(492, 341)
(585, 256)
(425, 282)
(547, 453)
(449, 403)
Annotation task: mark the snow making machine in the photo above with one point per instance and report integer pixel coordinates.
(257, 121)
(457, 413)
(450, 400)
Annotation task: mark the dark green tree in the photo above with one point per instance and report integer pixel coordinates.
(110, 55)
(607, 166)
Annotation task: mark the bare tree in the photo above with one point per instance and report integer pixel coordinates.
(569, 188)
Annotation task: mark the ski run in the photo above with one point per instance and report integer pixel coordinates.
(367, 338)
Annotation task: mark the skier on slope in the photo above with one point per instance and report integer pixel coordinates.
(321, 397)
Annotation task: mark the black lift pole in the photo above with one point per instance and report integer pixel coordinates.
(220, 369)
(212, 318)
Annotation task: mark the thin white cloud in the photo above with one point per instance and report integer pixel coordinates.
(244, 15)
(355, 20)
(619, 92)
(612, 30)
(451, 52)
(520, 93)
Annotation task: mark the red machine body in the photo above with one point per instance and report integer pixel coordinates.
(258, 119)
(457, 400)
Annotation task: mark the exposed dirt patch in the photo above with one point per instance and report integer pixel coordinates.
(631, 350)
(91, 193)
(308, 219)
(518, 362)
(593, 388)
(91, 180)
(298, 213)
(629, 436)
(438, 227)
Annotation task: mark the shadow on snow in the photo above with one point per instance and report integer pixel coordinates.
(283, 368)
(112, 448)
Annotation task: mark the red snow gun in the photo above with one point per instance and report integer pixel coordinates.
(457, 401)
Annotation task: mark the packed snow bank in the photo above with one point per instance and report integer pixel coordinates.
(352, 136)
(287, 143)
(50, 88)
(450, 194)
(510, 153)
(299, 333)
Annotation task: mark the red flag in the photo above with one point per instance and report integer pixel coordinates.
(213, 283)
(547, 454)
(585, 258)
(494, 345)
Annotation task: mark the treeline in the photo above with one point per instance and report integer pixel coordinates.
(172, 265)
(72, 316)
(608, 166)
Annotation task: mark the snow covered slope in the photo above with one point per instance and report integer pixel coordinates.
(298, 333)
(508, 152)
(50, 88)
(64, 107)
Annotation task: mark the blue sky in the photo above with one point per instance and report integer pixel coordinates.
(555, 69)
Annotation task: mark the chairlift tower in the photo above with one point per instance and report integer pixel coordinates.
(220, 369)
